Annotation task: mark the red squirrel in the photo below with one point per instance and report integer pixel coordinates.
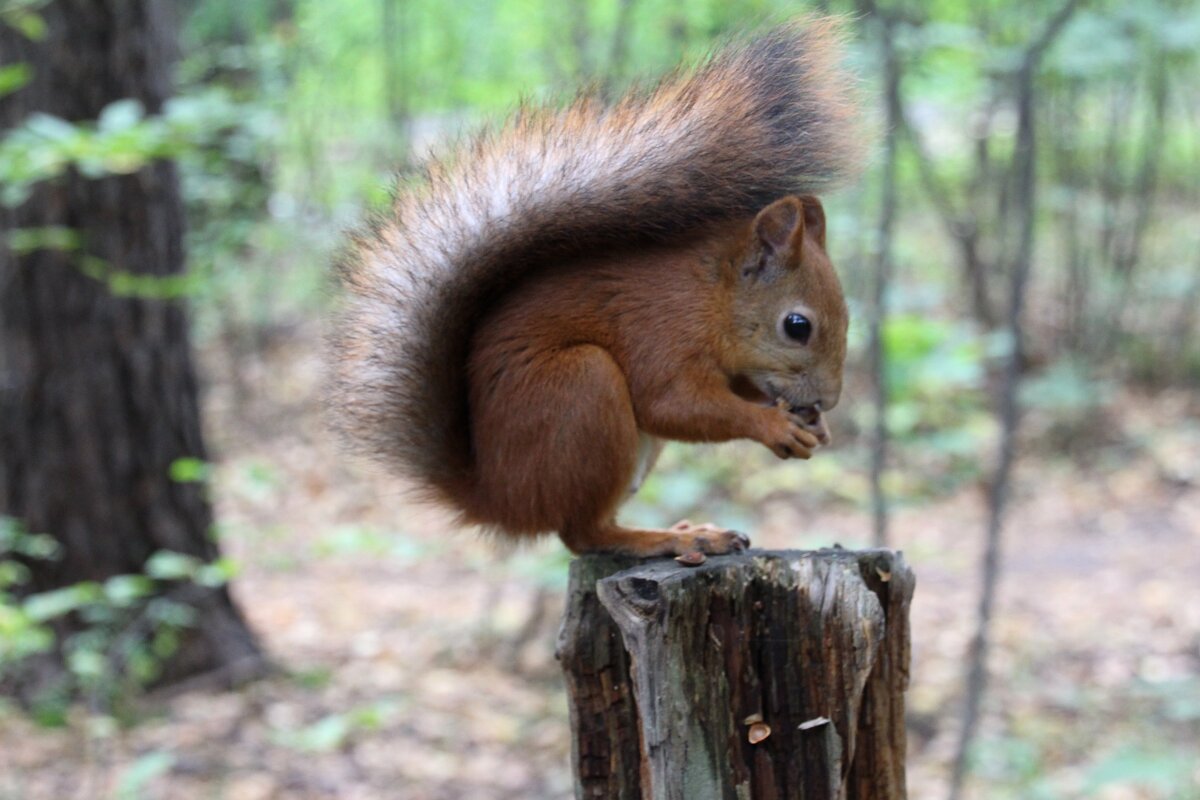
(561, 294)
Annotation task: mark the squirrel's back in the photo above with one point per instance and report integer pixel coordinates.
(764, 117)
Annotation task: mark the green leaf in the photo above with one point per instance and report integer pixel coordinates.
(143, 665)
(10, 531)
(217, 573)
(41, 546)
(125, 590)
(49, 605)
(51, 127)
(165, 643)
(20, 636)
(13, 77)
(120, 115)
(13, 573)
(87, 664)
(374, 716)
(170, 612)
(190, 470)
(167, 565)
(51, 711)
(27, 23)
(14, 539)
(50, 237)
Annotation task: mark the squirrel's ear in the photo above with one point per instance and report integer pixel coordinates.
(814, 218)
(779, 228)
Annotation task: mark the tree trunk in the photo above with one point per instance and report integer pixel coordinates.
(765, 675)
(98, 393)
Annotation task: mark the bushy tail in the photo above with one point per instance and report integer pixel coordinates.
(764, 117)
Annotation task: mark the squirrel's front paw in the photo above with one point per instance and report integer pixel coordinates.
(707, 538)
(788, 435)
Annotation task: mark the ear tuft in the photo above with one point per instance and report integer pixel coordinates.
(780, 224)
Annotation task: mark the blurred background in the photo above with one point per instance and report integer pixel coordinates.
(1022, 419)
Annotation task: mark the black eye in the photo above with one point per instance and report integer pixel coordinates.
(798, 327)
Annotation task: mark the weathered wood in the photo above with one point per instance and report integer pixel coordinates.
(877, 772)
(605, 749)
(813, 645)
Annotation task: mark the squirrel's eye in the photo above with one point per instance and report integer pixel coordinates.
(798, 327)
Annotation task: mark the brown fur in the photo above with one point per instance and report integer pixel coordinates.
(582, 278)
(573, 364)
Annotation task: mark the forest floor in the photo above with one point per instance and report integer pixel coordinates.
(416, 662)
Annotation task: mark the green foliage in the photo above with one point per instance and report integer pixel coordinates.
(22, 16)
(14, 540)
(934, 373)
(13, 77)
(27, 240)
(21, 632)
(121, 141)
(120, 282)
(122, 630)
(190, 470)
(205, 132)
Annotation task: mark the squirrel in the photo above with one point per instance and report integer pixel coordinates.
(522, 330)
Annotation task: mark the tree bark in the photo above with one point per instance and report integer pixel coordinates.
(98, 393)
(606, 744)
(810, 648)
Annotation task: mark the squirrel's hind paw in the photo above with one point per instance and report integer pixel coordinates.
(680, 539)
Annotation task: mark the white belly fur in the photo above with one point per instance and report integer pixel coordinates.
(649, 448)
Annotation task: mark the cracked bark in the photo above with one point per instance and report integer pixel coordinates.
(669, 666)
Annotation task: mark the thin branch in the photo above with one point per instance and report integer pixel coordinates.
(1111, 177)
(961, 226)
(883, 265)
(1009, 409)
(1146, 184)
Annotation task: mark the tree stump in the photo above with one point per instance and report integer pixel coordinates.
(768, 674)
